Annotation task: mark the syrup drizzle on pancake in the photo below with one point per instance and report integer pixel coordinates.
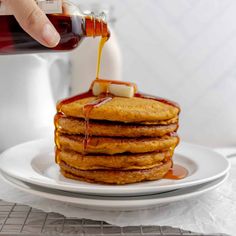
(60, 114)
(102, 99)
(88, 109)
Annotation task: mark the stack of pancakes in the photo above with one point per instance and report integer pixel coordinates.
(130, 140)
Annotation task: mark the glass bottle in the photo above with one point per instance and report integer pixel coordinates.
(71, 24)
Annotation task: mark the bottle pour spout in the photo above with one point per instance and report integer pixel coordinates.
(96, 25)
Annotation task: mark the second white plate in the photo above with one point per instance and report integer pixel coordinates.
(33, 162)
(116, 203)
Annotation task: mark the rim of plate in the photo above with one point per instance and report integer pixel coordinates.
(139, 202)
(36, 147)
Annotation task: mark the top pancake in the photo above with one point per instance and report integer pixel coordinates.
(123, 109)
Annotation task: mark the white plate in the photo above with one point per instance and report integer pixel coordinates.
(33, 162)
(115, 203)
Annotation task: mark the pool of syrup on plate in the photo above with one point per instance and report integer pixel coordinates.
(176, 172)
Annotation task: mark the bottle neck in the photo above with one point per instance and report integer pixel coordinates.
(96, 26)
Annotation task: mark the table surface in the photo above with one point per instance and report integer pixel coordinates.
(18, 219)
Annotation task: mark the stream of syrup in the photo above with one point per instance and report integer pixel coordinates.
(100, 48)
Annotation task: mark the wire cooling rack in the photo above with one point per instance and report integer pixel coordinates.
(23, 220)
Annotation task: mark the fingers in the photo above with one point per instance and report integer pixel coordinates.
(33, 20)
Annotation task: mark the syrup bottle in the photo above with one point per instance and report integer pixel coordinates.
(71, 24)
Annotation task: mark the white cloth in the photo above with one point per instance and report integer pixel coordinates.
(214, 212)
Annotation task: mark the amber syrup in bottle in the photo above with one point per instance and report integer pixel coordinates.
(71, 24)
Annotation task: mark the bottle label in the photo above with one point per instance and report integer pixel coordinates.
(48, 6)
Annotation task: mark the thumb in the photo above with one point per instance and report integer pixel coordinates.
(33, 20)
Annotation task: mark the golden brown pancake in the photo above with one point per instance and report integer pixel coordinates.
(111, 146)
(120, 161)
(123, 110)
(113, 129)
(116, 176)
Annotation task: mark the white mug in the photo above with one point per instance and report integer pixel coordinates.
(30, 85)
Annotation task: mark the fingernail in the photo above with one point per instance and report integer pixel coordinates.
(50, 35)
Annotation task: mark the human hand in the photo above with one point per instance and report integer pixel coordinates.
(33, 20)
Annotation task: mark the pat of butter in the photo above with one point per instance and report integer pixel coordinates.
(121, 90)
(116, 88)
(99, 88)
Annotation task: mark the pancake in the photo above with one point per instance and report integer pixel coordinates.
(116, 176)
(120, 161)
(123, 110)
(112, 146)
(113, 129)
(174, 120)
